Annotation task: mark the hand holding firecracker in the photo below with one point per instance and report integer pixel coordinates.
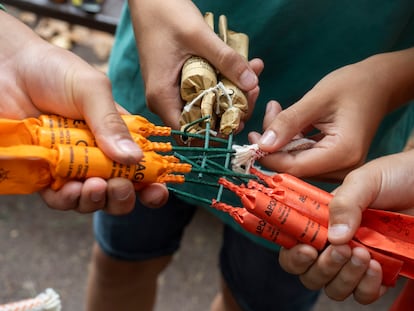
(208, 93)
(384, 183)
(50, 151)
(286, 209)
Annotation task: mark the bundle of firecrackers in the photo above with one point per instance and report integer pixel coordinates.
(49, 151)
(209, 95)
(287, 211)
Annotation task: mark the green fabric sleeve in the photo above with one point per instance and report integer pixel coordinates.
(2, 7)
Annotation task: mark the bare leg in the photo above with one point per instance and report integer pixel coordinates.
(224, 300)
(122, 285)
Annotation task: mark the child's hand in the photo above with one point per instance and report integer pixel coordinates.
(346, 108)
(167, 34)
(115, 196)
(385, 183)
(339, 270)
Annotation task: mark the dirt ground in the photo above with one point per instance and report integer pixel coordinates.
(42, 248)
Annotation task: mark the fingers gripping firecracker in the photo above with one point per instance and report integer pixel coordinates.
(209, 94)
(287, 211)
(50, 151)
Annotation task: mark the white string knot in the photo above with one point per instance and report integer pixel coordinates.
(216, 90)
(245, 156)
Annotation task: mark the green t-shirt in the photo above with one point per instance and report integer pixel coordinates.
(300, 42)
(2, 7)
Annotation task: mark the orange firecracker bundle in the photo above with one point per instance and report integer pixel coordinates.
(51, 150)
(286, 210)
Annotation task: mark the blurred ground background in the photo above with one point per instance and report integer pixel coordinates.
(41, 248)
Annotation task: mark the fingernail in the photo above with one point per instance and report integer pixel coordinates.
(97, 196)
(129, 147)
(338, 230)
(383, 290)
(248, 79)
(337, 256)
(156, 201)
(122, 194)
(268, 138)
(269, 108)
(372, 272)
(356, 261)
(304, 258)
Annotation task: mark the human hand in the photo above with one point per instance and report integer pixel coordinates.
(345, 108)
(339, 270)
(167, 34)
(384, 183)
(115, 196)
(39, 78)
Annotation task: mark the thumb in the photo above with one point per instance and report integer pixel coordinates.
(110, 131)
(226, 60)
(355, 194)
(281, 126)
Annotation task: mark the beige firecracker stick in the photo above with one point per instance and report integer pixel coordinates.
(197, 76)
(207, 97)
(236, 109)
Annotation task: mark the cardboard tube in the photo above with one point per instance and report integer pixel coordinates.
(197, 74)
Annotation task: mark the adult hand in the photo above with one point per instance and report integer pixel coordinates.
(39, 78)
(165, 42)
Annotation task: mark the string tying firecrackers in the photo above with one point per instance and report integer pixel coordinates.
(247, 155)
(205, 111)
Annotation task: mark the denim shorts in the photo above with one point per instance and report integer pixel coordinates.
(251, 271)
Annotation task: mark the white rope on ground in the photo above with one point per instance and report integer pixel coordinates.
(49, 300)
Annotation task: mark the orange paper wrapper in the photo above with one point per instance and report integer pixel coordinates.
(256, 225)
(303, 204)
(386, 235)
(405, 300)
(293, 183)
(280, 215)
(27, 169)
